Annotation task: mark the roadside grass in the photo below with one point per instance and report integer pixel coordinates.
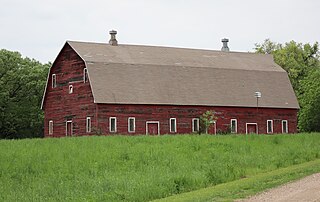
(246, 187)
(141, 168)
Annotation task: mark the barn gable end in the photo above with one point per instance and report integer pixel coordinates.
(70, 99)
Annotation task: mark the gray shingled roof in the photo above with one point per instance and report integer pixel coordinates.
(130, 74)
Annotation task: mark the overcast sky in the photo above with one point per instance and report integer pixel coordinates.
(39, 28)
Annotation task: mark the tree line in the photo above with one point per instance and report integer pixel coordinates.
(302, 63)
(23, 80)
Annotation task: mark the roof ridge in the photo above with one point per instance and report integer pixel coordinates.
(171, 47)
(182, 66)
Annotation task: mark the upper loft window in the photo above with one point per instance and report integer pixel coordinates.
(233, 126)
(54, 80)
(85, 75)
(70, 89)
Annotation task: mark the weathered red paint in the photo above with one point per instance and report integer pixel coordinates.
(60, 106)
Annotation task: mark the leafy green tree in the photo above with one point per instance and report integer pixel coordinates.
(267, 47)
(296, 58)
(22, 82)
(302, 63)
(207, 119)
(309, 115)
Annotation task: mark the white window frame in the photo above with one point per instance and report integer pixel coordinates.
(54, 80)
(175, 125)
(115, 124)
(134, 124)
(198, 121)
(50, 127)
(287, 129)
(70, 89)
(88, 124)
(236, 126)
(85, 75)
(269, 121)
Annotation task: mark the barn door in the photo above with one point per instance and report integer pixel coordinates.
(251, 128)
(152, 128)
(69, 128)
(212, 129)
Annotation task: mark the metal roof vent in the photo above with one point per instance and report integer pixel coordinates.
(113, 41)
(225, 47)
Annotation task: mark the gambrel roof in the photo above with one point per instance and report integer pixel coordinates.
(132, 74)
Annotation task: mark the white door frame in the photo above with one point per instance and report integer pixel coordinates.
(70, 121)
(152, 122)
(252, 124)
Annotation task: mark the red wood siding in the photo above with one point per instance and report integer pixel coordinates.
(184, 115)
(59, 105)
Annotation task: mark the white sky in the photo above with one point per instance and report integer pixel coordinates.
(39, 28)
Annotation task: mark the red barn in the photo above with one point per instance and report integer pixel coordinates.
(100, 88)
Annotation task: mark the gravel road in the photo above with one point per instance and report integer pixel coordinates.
(306, 189)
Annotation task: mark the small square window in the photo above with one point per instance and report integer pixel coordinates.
(113, 124)
(70, 89)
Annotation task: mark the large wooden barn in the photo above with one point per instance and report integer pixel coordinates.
(106, 88)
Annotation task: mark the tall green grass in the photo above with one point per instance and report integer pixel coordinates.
(122, 168)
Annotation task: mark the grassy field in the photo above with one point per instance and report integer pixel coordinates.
(246, 187)
(121, 168)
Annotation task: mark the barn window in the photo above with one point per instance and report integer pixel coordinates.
(85, 75)
(195, 125)
(233, 126)
(70, 89)
(54, 80)
(50, 127)
(113, 124)
(284, 126)
(131, 124)
(88, 125)
(173, 125)
(269, 126)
